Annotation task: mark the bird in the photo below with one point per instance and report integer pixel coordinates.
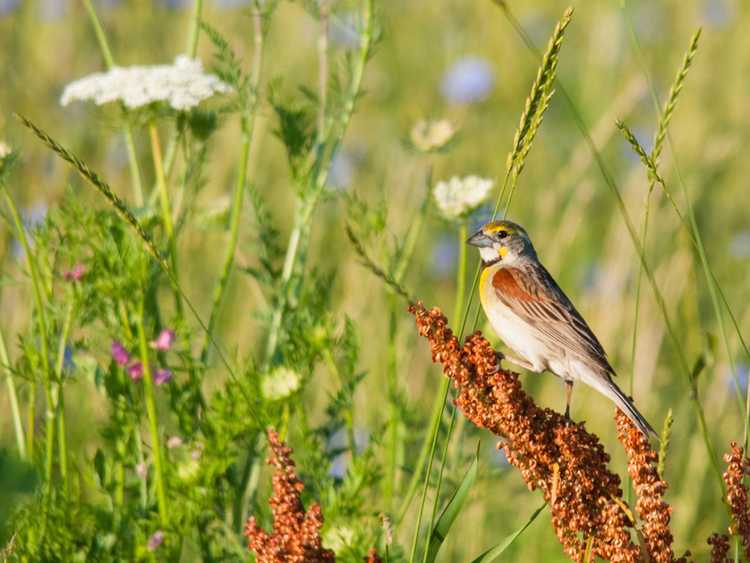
(535, 319)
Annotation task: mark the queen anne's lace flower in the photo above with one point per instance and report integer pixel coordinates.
(460, 196)
(182, 85)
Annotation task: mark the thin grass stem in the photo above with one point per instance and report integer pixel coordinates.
(153, 421)
(40, 306)
(248, 127)
(13, 398)
(109, 61)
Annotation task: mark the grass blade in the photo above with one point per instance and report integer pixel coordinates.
(452, 509)
(495, 552)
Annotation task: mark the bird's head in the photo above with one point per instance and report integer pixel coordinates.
(502, 241)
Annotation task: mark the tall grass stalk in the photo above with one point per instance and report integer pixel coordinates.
(632, 233)
(59, 397)
(394, 443)
(691, 224)
(109, 61)
(13, 399)
(42, 333)
(247, 124)
(153, 421)
(440, 404)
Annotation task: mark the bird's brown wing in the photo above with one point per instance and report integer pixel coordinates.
(532, 294)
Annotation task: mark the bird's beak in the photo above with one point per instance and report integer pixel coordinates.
(479, 239)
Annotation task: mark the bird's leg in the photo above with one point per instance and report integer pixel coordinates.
(568, 395)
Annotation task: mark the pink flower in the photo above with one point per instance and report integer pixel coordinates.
(76, 273)
(141, 470)
(155, 540)
(119, 353)
(135, 371)
(162, 375)
(174, 442)
(164, 340)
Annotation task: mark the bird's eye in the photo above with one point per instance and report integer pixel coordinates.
(502, 234)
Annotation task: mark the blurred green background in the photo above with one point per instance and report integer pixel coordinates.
(464, 62)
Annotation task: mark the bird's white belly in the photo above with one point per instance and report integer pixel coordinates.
(518, 336)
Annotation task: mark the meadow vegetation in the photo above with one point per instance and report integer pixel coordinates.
(210, 265)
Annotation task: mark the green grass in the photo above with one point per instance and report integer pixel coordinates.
(229, 226)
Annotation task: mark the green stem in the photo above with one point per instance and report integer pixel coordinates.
(166, 208)
(148, 392)
(438, 413)
(109, 61)
(393, 435)
(349, 414)
(435, 426)
(60, 398)
(13, 397)
(248, 127)
(318, 174)
(142, 462)
(39, 304)
(436, 500)
(195, 26)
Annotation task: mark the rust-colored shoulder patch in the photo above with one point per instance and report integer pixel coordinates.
(504, 282)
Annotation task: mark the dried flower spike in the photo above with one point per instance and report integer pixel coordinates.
(737, 467)
(296, 533)
(551, 453)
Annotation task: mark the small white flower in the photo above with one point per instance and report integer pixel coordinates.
(460, 196)
(429, 136)
(280, 383)
(182, 85)
(4, 150)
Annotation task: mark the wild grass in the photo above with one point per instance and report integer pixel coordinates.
(210, 285)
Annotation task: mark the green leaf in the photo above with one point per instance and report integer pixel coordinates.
(495, 552)
(451, 510)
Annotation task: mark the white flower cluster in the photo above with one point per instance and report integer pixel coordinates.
(182, 85)
(4, 150)
(460, 196)
(429, 136)
(280, 383)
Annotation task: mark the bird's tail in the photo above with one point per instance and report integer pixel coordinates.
(624, 403)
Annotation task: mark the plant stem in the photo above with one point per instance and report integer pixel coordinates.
(436, 500)
(15, 412)
(438, 413)
(195, 27)
(248, 127)
(393, 435)
(349, 414)
(109, 61)
(323, 12)
(317, 176)
(166, 208)
(436, 416)
(148, 393)
(39, 304)
(60, 398)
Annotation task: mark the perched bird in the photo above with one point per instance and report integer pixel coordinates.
(532, 315)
